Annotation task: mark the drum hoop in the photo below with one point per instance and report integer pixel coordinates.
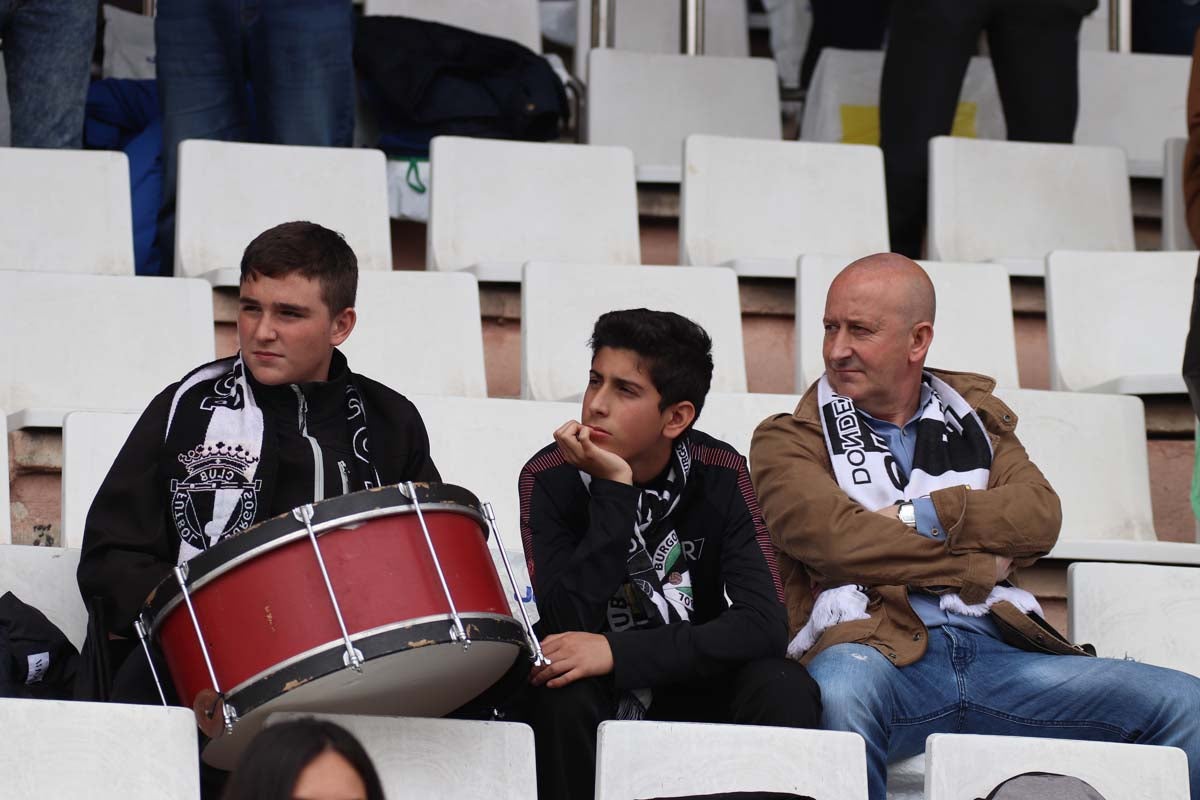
(158, 616)
(338, 644)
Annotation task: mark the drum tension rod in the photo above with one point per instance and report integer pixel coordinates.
(354, 657)
(227, 710)
(457, 632)
(139, 625)
(535, 647)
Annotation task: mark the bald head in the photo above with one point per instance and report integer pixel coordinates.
(908, 288)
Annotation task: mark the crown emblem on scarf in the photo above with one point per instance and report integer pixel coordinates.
(217, 455)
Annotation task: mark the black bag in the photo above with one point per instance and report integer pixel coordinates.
(36, 659)
(423, 79)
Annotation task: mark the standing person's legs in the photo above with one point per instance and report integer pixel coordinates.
(851, 26)
(47, 57)
(930, 43)
(1035, 54)
(302, 68)
(201, 88)
(564, 722)
(1191, 348)
(1017, 693)
(893, 708)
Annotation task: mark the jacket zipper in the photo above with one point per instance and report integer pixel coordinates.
(318, 458)
(345, 477)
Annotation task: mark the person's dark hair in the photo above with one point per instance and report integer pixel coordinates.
(311, 250)
(677, 352)
(274, 759)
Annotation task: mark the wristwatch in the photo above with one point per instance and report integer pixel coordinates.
(907, 513)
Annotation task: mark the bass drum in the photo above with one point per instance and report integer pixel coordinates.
(266, 618)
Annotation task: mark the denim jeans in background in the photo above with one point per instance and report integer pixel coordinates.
(972, 683)
(294, 56)
(47, 47)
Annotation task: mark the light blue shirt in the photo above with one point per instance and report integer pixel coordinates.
(902, 442)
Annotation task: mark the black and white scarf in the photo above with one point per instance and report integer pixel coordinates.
(952, 449)
(220, 456)
(658, 589)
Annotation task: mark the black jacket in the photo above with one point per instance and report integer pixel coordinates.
(130, 542)
(576, 543)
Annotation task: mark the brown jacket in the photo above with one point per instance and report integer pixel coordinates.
(826, 539)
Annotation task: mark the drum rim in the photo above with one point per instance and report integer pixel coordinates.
(254, 542)
(514, 634)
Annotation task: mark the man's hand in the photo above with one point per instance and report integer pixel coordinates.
(1003, 567)
(573, 655)
(576, 445)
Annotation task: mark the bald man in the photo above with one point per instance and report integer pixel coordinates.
(900, 500)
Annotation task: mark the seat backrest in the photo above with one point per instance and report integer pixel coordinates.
(1113, 316)
(651, 102)
(497, 201)
(481, 444)
(761, 199)
(5, 512)
(653, 26)
(450, 759)
(516, 20)
(230, 192)
(1092, 450)
(94, 341)
(962, 766)
(91, 441)
(102, 751)
(1138, 611)
(419, 333)
(560, 304)
(1134, 101)
(44, 577)
(973, 331)
(1175, 233)
(991, 200)
(65, 211)
(630, 759)
(732, 417)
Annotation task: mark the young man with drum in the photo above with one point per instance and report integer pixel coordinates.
(654, 575)
(235, 442)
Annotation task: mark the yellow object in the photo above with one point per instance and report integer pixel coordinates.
(860, 124)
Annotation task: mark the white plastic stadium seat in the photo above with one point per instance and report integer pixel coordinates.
(1134, 101)
(732, 417)
(516, 20)
(973, 331)
(449, 759)
(1117, 321)
(1148, 623)
(658, 759)
(65, 211)
(653, 26)
(1014, 202)
(560, 305)
(91, 441)
(419, 333)
(102, 751)
(651, 102)
(1175, 233)
(44, 577)
(481, 445)
(230, 192)
(757, 206)
(95, 341)
(962, 766)
(5, 511)
(495, 205)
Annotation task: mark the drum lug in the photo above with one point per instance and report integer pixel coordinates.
(535, 647)
(353, 657)
(230, 714)
(348, 662)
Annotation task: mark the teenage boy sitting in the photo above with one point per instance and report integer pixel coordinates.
(654, 574)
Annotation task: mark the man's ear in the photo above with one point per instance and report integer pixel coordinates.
(678, 417)
(922, 338)
(343, 324)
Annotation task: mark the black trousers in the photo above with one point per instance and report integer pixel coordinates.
(846, 25)
(774, 691)
(1034, 46)
(1191, 349)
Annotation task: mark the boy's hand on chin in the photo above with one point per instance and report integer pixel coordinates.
(575, 443)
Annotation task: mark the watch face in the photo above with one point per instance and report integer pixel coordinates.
(908, 514)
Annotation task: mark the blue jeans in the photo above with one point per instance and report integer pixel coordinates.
(972, 683)
(294, 56)
(47, 57)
